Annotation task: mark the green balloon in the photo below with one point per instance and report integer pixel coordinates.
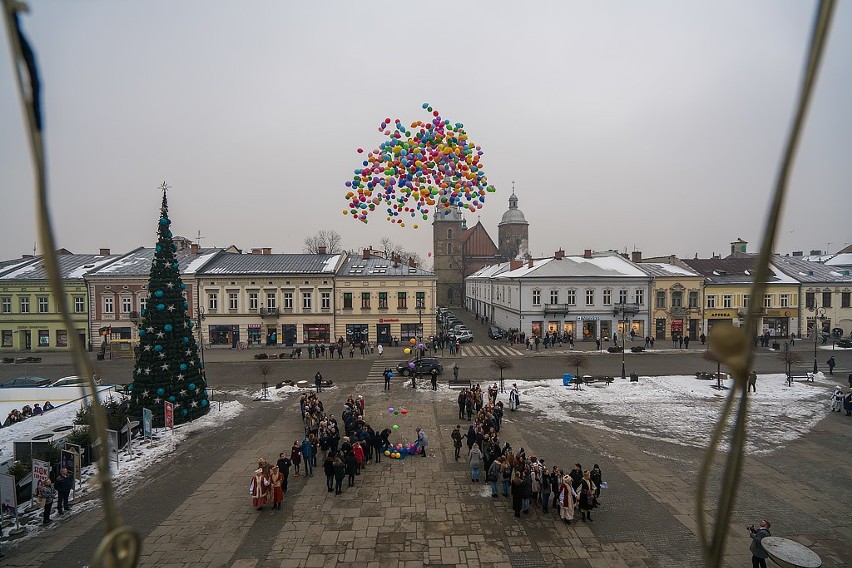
(395, 427)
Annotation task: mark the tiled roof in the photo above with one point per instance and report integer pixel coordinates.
(734, 270)
(357, 266)
(138, 262)
(810, 272)
(273, 264)
(477, 242)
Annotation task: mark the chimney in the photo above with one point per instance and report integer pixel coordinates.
(193, 248)
(530, 263)
(395, 261)
(366, 254)
(587, 253)
(559, 255)
(624, 255)
(412, 263)
(515, 264)
(321, 250)
(267, 250)
(255, 251)
(816, 252)
(104, 252)
(636, 256)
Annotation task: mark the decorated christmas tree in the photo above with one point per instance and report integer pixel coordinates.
(168, 367)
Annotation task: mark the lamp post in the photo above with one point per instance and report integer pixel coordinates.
(819, 316)
(624, 310)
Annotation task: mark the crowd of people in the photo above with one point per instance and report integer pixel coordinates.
(526, 479)
(27, 411)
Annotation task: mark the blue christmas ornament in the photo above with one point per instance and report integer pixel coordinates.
(158, 348)
(204, 402)
(164, 221)
(161, 307)
(191, 386)
(182, 286)
(191, 325)
(160, 392)
(158, 248)
(172, 398)
(186, 340)
(130, 387)
(185, 304)
(183, 366)
(159, 293)
(141, 333)
(167, 327)
(185, 411)
(175, 265)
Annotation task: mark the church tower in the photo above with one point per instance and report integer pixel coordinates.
(513, 231)
(447, 230)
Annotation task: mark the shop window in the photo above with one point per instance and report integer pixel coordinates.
(61, 338)
(44, 338)
(7, 338)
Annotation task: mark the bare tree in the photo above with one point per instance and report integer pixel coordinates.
(710, 356)
(578, 361)
(324, 238)
(501, 364)
(790, 358)
(390, 249)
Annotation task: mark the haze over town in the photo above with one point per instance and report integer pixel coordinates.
(656, 127)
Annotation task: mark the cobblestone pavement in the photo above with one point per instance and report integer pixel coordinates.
(193, 510)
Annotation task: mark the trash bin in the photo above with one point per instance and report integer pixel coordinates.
(566, 379)
(99, 356)
(634, 377)
(776, 345)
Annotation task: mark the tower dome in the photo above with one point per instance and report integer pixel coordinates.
(513, 215)
(513, 231)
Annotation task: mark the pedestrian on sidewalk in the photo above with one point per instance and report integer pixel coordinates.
(259, 489)
(296, 457)
(587, 496)
(276, 481)
(284, 464)
(567, 500)
(65, 483)
(48, 494)
(457, 437)
(474, 459)
(836, 400)
(758, 553)
(328, 468)
(422, 441)
(434, 374)
(831, 364)
(752, 382)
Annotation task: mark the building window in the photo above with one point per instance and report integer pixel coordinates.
(767, 300)
(233, 301)
(25, 305)
(383, 300)
(640, 296)
(42, 305)
(126, 305)
(306, 300)
(271, 300)
(536, 297)
(711, 301)
(785, 300)
(7, 338)
(108, 305)
(810, 298)
(6, 305)
(727, 301)
(693, 299)
(61, 338)
(44, 338)
(449, 233)
(325, 299)
(677, 298)
(661, 299)
(143, 304)
(607, 297)
(347, 300)
(622, 296)
(449, 248)
(844, 300)
(365, 300)
(746, 300)
(288, 300)
(590, 297)
(401, 300)
(213, 301)
(420, 299)
(554, 296)
(252, 300)
(826, 299)
(571, 297)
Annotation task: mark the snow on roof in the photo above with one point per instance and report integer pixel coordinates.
(664, 269)
(199, 262)
(27, 268)
(80, 271)
(842, 259)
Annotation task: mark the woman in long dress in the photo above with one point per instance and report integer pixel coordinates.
(567, 500)
(587, 496)
(259, 489)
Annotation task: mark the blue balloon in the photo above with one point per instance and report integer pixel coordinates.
(141, 333)
(186, 340)
(185, 411)
(158, 248)
(190, 325)
(175, 265)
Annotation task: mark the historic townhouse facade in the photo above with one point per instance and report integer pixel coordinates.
(118, 292)
(29, 310)
(378, 300)
(593, 296)
(826, 295)
(676, 298)
(252, 300)
(727, 295)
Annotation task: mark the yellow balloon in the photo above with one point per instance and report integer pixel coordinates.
(387, 452)
(406, 350)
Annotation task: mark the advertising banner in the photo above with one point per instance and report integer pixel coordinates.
(147, 421)
(41, 471)
(170, 415)
(8, 495)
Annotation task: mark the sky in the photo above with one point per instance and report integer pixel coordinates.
(654, 408)
(655, 126)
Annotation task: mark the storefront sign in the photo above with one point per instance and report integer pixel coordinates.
(721, 314)
(777, 313)
(386, 320)
(147, 422)
(588, 318)
(254, 326)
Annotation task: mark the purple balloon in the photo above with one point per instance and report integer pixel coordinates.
(411, 365)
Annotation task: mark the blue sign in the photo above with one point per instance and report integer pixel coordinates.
(147, 420)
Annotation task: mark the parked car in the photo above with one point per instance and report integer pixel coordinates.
(424, 366)
(495, 332)
(72, 381)
(463, 336)
(459, 326)
(28, 381)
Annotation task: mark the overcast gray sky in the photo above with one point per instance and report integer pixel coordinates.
(654, 126)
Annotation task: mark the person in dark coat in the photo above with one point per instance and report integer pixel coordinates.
(517, 492)
(526, 491)
(339, 474)
(351, 467)
(284, 464)
(576, 476)
(329, 470)
(758, 553)
(64, 484)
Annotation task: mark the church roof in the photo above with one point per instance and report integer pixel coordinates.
(477, 242)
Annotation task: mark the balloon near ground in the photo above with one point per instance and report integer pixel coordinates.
(426, 168)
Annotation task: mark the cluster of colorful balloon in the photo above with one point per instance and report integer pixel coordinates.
(430, 166)
(394, 411)
(400, 451)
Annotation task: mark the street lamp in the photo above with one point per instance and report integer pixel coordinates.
(624, 310)
(819, 316)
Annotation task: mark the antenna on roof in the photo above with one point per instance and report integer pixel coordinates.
(34, 249)
(198, 238)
